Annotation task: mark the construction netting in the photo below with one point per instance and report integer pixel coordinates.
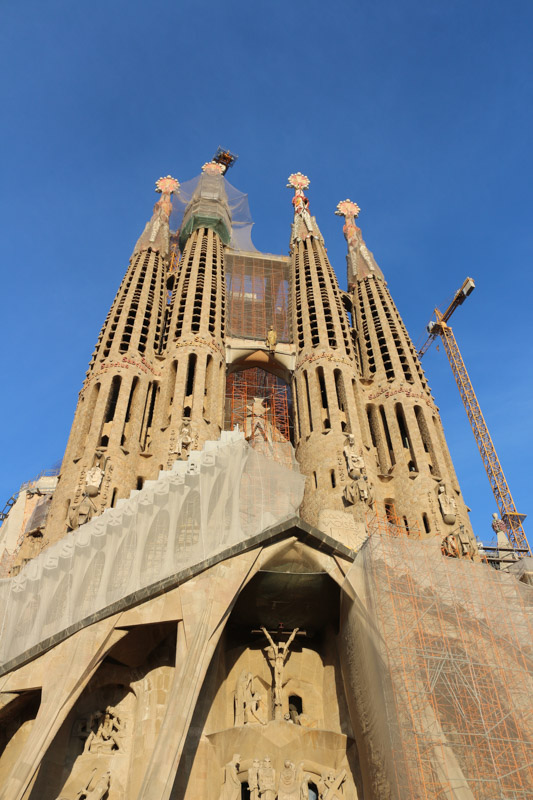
(259, 404)
(218, 497)
(448, 649)
(237, 202)
(257, 296)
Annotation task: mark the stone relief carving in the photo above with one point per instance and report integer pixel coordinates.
(448, 506)
(360, 488)
(253, 779)
(249, 704)
(231, 789)
(102, 732)
(330, 785)
(84, 508)
(277, 655)
(267, 780)
(93, 789)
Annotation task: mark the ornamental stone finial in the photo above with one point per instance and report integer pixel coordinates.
(167, 185)
(213, 168)
(298, 182)
(347, 208)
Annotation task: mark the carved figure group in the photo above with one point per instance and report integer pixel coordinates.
(103, 732)
(278, 655)
(249, 704)
(86, 508)
(293, 782)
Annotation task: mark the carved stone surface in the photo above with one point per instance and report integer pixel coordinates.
(103, 732)
(231, 789)
(249, 704)
(278, 655)
(448, 506)
(267, 780)
(330, 785)
(290, 779)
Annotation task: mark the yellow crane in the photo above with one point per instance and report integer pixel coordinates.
(500, 488)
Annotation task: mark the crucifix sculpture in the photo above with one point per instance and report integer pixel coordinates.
(278, 656)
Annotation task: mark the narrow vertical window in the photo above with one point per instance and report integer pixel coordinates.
(191, 369)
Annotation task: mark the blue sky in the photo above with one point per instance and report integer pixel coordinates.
(421, 112)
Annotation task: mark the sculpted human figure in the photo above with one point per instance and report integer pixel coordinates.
(253, 779)
(354, 461)
(289, 782)
(184, 439)
(248, 704)
(271, 339)
(95, 475)
(267, 780)
(448, 506)
(278, 654)
(231, 790)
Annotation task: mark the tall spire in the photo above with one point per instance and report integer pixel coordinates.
(156, 234)
(360, 261)
(304, 225)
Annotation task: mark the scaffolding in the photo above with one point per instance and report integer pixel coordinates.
(453, 660)
(257, 296)
(258, 404)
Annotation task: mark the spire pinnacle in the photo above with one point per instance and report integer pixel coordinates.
(304, 225)
(156, 233)
(213, 168)
(361, 262)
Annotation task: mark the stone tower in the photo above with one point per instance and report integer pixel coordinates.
(247, 589)
(109, 451)
(402, 444)
(325, 374)
(191, 410)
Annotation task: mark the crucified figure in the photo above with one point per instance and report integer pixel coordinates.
(280, 653)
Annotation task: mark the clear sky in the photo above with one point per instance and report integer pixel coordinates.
(421, 112)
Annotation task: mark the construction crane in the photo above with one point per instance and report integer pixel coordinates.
(500, 488)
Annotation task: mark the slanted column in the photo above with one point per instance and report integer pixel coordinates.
(323, 376)
(110, 451)
(194, 373)
(414, 472)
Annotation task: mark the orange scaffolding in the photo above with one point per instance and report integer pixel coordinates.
(455, 643)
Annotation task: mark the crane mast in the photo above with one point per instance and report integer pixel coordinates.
(500, 488)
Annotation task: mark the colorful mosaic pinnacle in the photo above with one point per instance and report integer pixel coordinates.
(347, 208)
(212, 168)
(167, 185)
(297, 181)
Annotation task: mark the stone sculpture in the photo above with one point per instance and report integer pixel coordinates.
(93, 790)
(231, 790)
(253, 779)
(354, 461)
(278, 654)
(271, 339)
(448, 506)
(249, 705)
(104, 732)
(267, 780)
(330, 785)
(360, 487)
(184, 439)
(290, 779)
